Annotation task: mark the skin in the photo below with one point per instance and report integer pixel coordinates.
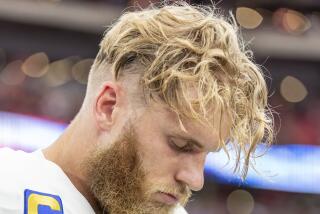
(165, 149)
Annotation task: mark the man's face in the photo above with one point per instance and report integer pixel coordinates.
(153, 165)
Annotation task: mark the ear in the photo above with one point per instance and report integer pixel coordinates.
(107, 105)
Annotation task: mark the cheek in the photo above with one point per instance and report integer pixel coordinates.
(157, 157)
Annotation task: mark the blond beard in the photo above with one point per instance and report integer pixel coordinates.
(117, 179)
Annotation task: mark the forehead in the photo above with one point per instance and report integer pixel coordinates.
(206, 135)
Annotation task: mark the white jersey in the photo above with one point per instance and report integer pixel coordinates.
(30, 184)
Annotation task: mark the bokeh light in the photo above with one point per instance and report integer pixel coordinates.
(291, 21)
(12, 74)
(240, 202)
(248, 17)
(59, 72)
(296, 22)
(292, 89)
(80, 71)
(36, 65)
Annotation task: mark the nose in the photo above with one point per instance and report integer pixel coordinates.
(191, 173)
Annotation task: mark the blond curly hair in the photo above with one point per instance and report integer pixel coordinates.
(182, 46)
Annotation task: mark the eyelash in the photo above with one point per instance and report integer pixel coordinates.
(187, 148)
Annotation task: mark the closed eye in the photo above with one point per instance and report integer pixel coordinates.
(180, 145)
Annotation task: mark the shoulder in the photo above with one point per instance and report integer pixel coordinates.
(7, 153)
(13, 167)
(13, 163)
(30, 179)
(17, 168)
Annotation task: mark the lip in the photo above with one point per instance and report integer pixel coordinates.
(166, 198)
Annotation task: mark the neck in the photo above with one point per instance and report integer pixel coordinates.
(68, 152)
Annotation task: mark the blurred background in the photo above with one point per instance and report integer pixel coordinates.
(48, 46)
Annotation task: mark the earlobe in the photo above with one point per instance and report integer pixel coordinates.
(106, 106)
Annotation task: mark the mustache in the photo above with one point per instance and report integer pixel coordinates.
(180, 191)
